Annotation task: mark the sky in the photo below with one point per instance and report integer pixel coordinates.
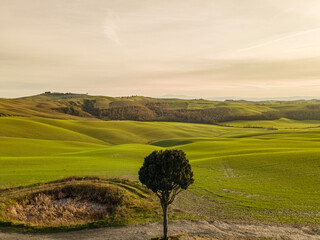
(196, 48)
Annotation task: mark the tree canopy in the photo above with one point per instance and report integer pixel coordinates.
(166, 173)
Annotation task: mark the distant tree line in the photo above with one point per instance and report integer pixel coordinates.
(158, 111)
(161, 111)
(303, 114)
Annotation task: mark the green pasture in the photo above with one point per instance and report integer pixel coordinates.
(282, 123)
(245, 173)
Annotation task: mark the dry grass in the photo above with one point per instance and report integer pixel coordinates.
(46, 210)
(67, 205)
(77, 203)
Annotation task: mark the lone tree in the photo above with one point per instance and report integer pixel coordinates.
(166, 173)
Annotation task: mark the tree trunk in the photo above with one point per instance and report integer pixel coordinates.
(165, 221)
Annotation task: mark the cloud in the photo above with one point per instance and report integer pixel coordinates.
(236, 71)
(110, 28)
(157, 47)
(290, 36)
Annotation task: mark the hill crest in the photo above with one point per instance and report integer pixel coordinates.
(139, 108)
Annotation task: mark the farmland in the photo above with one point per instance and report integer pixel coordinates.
(242, 174)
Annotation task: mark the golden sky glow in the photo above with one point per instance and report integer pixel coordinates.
(198, 48)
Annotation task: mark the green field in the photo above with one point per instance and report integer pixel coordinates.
(282, 123)
(242, 173)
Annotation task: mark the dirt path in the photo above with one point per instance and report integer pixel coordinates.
(218, 230)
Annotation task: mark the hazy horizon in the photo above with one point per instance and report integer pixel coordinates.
(196, 48)
(174, 96)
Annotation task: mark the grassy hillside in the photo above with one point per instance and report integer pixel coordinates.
(240, 173)
(81, 106)
(282, 123)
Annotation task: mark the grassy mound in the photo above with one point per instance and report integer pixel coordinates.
(67, 205)
(75, 203)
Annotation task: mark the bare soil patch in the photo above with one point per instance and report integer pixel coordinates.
(191, 230)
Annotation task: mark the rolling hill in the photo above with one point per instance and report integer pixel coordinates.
(82, 106)
(241, 174)
(255, 161)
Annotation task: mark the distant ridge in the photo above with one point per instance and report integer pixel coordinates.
(139, 108)
(293, 98)
(177, 96)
